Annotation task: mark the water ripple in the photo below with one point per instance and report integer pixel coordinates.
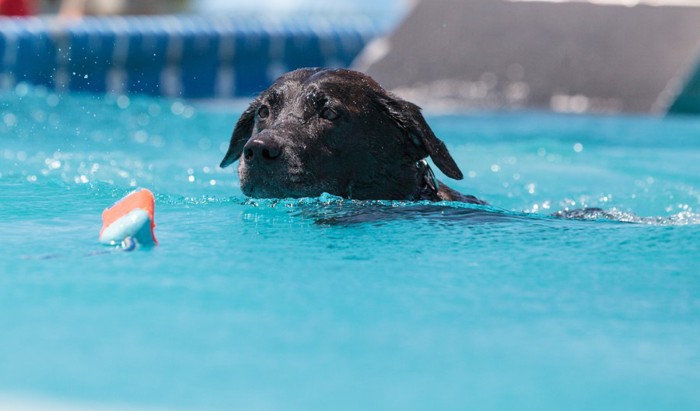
(333, 210)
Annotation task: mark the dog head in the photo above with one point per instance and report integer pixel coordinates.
(335, 131)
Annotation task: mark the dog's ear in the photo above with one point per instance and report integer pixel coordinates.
(240, 136)
(409, 118)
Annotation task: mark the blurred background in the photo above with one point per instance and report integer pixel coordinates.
(605, 56)
(131, 7)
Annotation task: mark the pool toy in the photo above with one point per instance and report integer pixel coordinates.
(129, 222)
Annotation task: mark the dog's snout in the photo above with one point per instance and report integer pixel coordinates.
(262, 148)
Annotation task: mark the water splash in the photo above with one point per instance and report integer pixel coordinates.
(596, 214)
(332, 209)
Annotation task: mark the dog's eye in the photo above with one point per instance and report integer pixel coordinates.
(263, 112)
(328, 113)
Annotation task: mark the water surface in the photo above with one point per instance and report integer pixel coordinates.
(328, 303)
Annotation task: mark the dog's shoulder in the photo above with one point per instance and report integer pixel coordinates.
(445, 193)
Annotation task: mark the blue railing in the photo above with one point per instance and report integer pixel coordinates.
(179, 56)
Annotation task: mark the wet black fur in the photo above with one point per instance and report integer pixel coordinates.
(337, 131)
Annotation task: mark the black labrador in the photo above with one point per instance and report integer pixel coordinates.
(338, 131)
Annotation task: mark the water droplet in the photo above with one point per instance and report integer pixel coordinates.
(141, 136)
(21, 89)
(530, 188)
(54, 164)
(9, 119)
(177, 108)
(188, 112)
(123, 101)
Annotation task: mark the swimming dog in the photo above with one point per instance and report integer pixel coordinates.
(338, 131)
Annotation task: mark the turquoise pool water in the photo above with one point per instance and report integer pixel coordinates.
(324, 304)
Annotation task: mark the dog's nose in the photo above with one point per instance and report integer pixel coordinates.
(262, 148)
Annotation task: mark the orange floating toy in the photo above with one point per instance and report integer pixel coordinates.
(130, 221)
